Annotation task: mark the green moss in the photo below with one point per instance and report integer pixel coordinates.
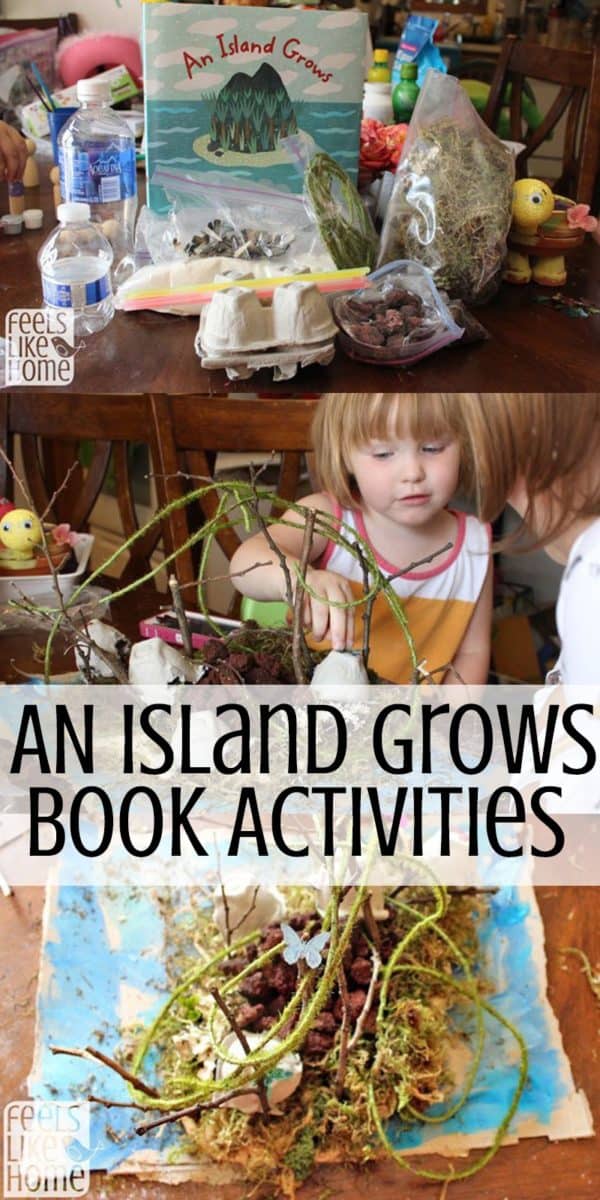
(301, 1158)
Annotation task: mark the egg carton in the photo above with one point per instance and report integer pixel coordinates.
(284, 363)
(240, 335)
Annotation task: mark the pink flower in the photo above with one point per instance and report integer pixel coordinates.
(63, 535)
(578, 217)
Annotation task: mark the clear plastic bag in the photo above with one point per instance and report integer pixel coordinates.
(397, 320)
(450, 207)
(342, 218)
(214, 215)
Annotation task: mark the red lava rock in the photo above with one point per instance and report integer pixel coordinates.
(214, 650)
(240, 661)
(396, 342)
(277, 1005)
(368, 335)
(248, 1014)
(392, 321)
(259, 675)
(226, 675)
(272, 937)
(317, 1044)
(282, 977)
(325, 1023)
(361, 971)
(254, 987)
(356, 1003)
(264, 1023)
(234, 965)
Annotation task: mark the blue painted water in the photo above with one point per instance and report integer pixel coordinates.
(84, 1005)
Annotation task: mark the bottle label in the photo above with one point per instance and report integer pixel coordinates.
(75, 295)
(98, 174)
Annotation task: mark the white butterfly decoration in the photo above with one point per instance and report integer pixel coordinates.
(296, 949)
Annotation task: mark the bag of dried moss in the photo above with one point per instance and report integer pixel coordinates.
(450, 207)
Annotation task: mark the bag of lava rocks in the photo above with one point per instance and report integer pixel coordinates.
(398, 318)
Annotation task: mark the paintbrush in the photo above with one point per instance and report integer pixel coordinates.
(43, 85)
(34, 87)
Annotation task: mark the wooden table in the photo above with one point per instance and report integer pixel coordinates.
(531, 347)
(531, 1170)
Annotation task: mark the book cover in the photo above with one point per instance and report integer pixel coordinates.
(252, 90)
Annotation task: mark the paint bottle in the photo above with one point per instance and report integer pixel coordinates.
(406, 93)
(380, 70)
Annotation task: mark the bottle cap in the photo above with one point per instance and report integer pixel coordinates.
(380, 56)
(95, 88)
(33, 218)
(409, 70)
(72, 212)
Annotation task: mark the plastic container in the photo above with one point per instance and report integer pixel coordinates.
(96, 154)
(377, 103)
(406, 93)
(380, 71)
(14, 587)
(12, 223)
(33, 218)
(75, 263)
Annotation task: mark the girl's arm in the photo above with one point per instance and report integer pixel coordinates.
(266, 581)
(472, 662)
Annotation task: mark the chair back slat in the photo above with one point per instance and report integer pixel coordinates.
(189, 432)
(55, 435)
(577, 75)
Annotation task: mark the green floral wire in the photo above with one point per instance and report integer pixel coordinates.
(474, 1168)
(473, 1069)
(207, 532)
(261, 1062)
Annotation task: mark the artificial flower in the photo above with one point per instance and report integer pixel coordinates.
(578, 217)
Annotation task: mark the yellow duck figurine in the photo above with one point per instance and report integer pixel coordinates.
(20, 534)
(533, 204)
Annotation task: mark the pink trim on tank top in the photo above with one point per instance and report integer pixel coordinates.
(461, 521)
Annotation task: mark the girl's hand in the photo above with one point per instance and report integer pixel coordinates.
(323, 620)
(13, 153)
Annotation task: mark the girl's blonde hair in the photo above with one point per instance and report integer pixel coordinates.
(345, 421)
(550, 442)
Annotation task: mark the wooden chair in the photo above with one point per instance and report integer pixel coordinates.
(51, 429)
(577, 74)
(188, 434)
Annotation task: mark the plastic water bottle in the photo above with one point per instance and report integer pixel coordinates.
(75, 263)
(96, 154)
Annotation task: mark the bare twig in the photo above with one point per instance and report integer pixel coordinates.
(226, 911)
(420, 562)
(368, 1004)
(194, 1110)
(297, 634)
(61, 488)
(119, 1103)
(96, 1055)
(289, 588)
(344, 1035)
(249, 911)
(368, 613)
(371, 923)
(180, 613)
(244, 1043)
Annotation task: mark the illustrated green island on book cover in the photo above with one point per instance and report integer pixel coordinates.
(255, 91)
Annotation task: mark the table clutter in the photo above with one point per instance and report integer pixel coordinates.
(289, 197)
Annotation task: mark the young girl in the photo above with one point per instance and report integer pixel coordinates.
(541, 454)
(389, 466)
